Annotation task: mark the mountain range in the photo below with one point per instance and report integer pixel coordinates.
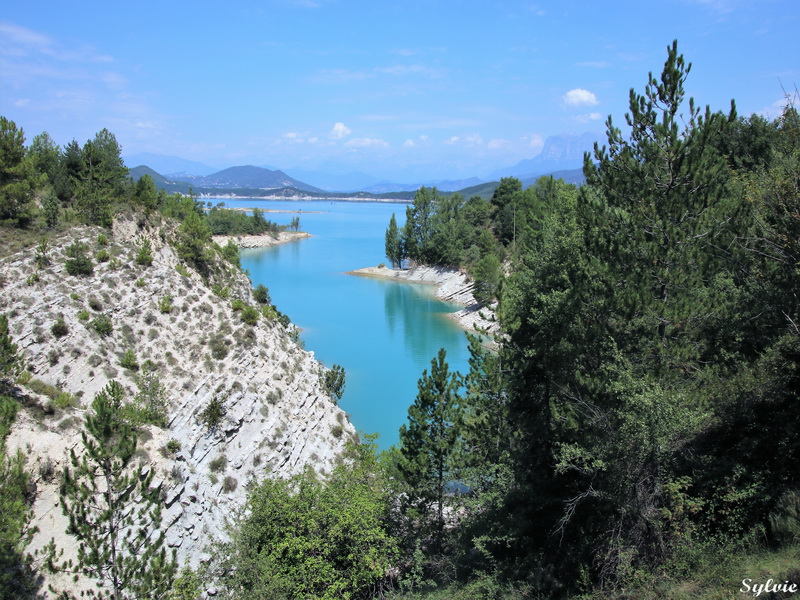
(561, 156)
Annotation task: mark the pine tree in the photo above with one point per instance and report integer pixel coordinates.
(8, 349)
(428, 441)
(660, 216)
(113, 512)
(393, 245)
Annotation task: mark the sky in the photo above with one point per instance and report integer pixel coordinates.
(400, 90)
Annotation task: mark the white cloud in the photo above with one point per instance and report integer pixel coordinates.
(595, 64)
(587, 118)
(339, 131)
(580, 97)
(366, 143)
(775, 110)
(469, 141)
(534, 141)
(498, 144)
(409, 144)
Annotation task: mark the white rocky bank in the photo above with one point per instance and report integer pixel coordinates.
(452, 285)
(278, 419)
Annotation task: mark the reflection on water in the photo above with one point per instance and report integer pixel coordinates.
(384, 333)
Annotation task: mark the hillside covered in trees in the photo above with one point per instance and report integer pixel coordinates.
(637, 434)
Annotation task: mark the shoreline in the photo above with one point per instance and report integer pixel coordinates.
(261, 240)
(451, 286)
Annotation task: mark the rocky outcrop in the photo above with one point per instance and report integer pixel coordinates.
(452, 285)
(277, 419)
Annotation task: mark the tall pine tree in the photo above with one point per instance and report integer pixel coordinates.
(428, 441)
(113, 512)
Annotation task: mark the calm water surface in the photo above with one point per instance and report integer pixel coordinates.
(383, 333)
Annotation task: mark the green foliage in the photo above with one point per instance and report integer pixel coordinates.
(102, 255)
(221, 291)
(333, 382)
(83, 315)
(17, 492)
(102, 325)
(128, 360)
(213, 413)
(237, 304)
(99, 178)
(18, 178)
(41, 258)
(145, 192)
(225, 221)
(150, 402)
(78, 261)
(394, 246)
(51, 209)
(182, 270)
(9, 360)
(113, 512)
(250, 315)
(486, 274)
(165, 304)
(59, 328)
(192, 241)
(187, 586)
(427, 442)
(303, 538)
(144, 256)
(261, 294)
(230, 252)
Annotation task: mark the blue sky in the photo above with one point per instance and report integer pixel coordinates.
(402, 90)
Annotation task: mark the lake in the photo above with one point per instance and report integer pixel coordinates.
(384, 333)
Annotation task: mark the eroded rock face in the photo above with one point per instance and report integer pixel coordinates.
(278, 419)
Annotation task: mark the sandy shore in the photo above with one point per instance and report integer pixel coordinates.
(451, 286)
(263, 240)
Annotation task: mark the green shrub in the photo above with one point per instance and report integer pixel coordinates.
(182, 270)
(24, 377)
(83, 315)
(102, 240)
(342, 519)
(32, 278)
(129, 361)
(40, 257)
(78, 262)
(144, 256)
(63, 400)
(59, 328)
(219, 346)
(102, 255)
(173, 446)
(211, 415)
(250, 315)
(102, 325)
(218, 464)
(237, 304)
(165, 304)
(140, 283)
(261, 294)
(269, 312)
(221, 291)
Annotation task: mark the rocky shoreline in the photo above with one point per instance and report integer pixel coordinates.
(263, 240)
(451, 286)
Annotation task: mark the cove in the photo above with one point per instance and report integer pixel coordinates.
(384, 333)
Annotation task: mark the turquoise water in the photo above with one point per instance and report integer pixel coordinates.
(384, 333)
